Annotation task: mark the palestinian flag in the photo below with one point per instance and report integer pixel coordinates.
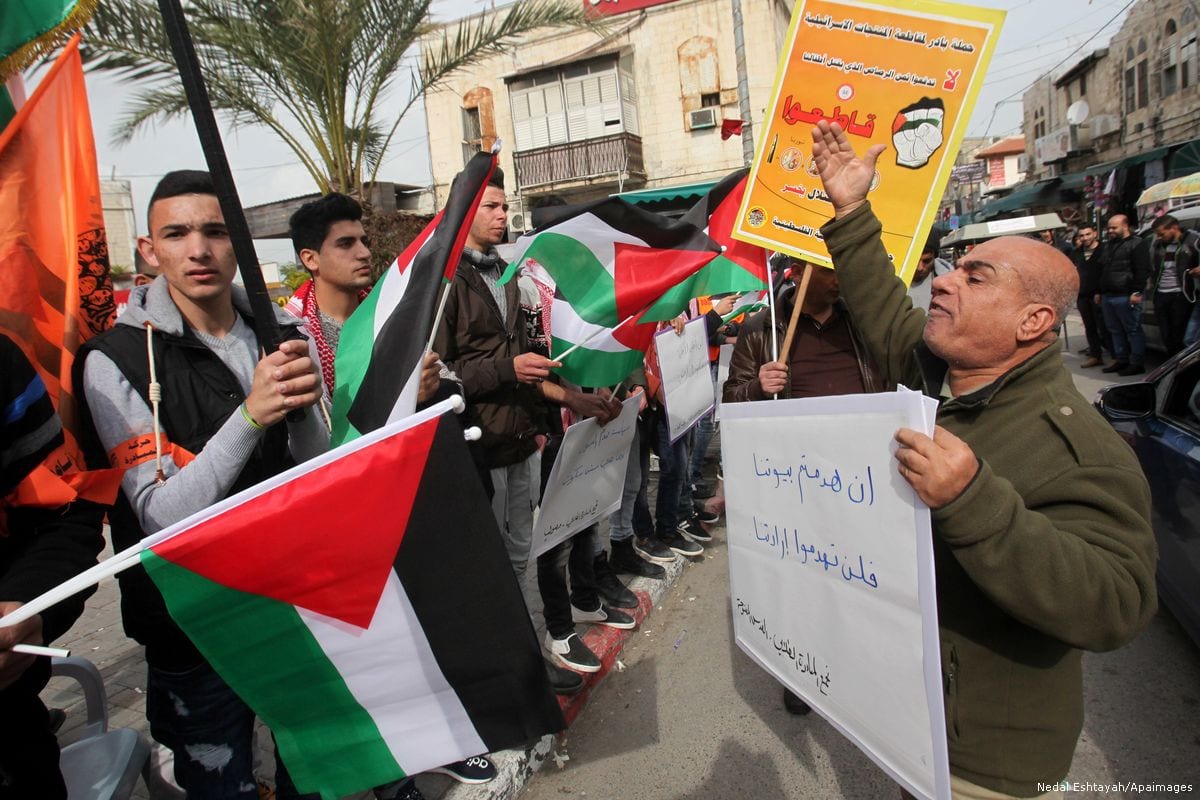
(608, 262)
(747, 303)
(602, 356)
(740, 267)
(378, 363)
(377, 633)
(55, 288)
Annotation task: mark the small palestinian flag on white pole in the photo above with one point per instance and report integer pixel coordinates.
(378, 362)
(608, 262)
(347, 619)
(747, 303)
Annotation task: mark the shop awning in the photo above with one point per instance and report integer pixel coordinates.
(682, 192)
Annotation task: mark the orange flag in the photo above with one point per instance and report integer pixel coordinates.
(55, 289)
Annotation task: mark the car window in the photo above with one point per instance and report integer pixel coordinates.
(1183, 398)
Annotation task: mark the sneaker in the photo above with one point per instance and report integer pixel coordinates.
(625, 559)
(653, 550)
(702, 490)
(572, 652)
(692, 529)
(477, 769)
(1116, 366)
(1131, 369)
(704, 515)
(563, 681)
(685, 547)
(604, 616)
(611, 590)
(794, 704)
(1082, 351)
(1091, 361)
(405, 789)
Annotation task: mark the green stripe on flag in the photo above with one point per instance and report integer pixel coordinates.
(7, 109)
(355, 348)
(587, 367)
(309, 710)
(580, 277)
(719, 276)
(31, 28)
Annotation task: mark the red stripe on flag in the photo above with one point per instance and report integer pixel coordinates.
(749, 257)
(330, 558)
(643, 274)
(405, 259)
(460, 239)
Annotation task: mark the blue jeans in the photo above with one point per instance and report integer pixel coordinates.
(1124, 322)
(210, 731)
(672, 478)
(620, 522)
(703, 435)
(1192, 334)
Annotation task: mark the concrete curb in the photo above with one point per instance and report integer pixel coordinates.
(515, 767)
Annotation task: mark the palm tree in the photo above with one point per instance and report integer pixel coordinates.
(317, 73)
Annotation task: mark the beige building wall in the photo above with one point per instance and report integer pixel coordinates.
(117, 200)
(665, 45)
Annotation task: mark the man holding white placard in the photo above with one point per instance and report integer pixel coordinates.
(1040, 512)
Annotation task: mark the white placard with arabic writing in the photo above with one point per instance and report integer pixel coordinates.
(831, 571)
(687, 380)
(587, 477)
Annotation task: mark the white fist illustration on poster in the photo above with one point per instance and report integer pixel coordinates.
(917, 132)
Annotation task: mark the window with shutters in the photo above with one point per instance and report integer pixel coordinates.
(1187, 62)
(478, 122)
(586, 100)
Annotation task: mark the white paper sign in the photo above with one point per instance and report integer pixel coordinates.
(587, 478)
(686, 378)
(831, 571)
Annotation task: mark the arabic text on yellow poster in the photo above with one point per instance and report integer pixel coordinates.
(905, 75)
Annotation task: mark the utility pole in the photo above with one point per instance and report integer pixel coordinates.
(743, 84)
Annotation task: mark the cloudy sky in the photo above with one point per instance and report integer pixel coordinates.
(1037, 36)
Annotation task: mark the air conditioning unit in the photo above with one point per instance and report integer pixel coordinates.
(518, 222)
(1104, 125)
(1080, 137)
(702, 118)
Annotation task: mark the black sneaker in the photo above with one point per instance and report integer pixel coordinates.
(692, 529)
(1116, 366)
(1131, 369)
(625, 559)
(563, 681)
(604, 615)
(685, 547)
(653, 549)
(611, 590)
(794, 704)
(405, 789)
(704, 515)
(702, 490)
(477, 769)
(572, 652)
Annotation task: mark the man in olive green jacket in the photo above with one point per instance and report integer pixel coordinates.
(1042, 538)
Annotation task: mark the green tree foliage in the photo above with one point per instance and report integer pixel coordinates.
(319, 74)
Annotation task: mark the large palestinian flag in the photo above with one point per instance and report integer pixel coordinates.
(363, 606)
(378, 362)
(740, 267)
(608, 263)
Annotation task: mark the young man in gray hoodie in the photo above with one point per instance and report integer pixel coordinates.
(222, 409)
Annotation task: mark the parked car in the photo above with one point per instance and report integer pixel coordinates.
(1160, 418)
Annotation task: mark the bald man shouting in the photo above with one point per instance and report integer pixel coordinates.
(1042, 537)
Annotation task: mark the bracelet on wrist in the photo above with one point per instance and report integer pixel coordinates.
(246, 416)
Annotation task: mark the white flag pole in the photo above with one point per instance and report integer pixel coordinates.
(130, 556)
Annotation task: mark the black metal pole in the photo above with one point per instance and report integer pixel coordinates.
(265, 325)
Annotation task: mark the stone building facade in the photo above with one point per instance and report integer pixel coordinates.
(583, 116)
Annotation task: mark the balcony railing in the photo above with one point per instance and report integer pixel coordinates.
(574, 161)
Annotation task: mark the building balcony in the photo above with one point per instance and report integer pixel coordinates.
(619, 155)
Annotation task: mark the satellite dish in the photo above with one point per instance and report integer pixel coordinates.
(1078, 112)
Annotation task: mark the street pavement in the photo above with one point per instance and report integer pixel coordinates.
(684, 715)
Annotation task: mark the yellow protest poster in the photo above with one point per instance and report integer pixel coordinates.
(906, 74)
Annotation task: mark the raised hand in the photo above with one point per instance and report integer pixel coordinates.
(847, 178)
